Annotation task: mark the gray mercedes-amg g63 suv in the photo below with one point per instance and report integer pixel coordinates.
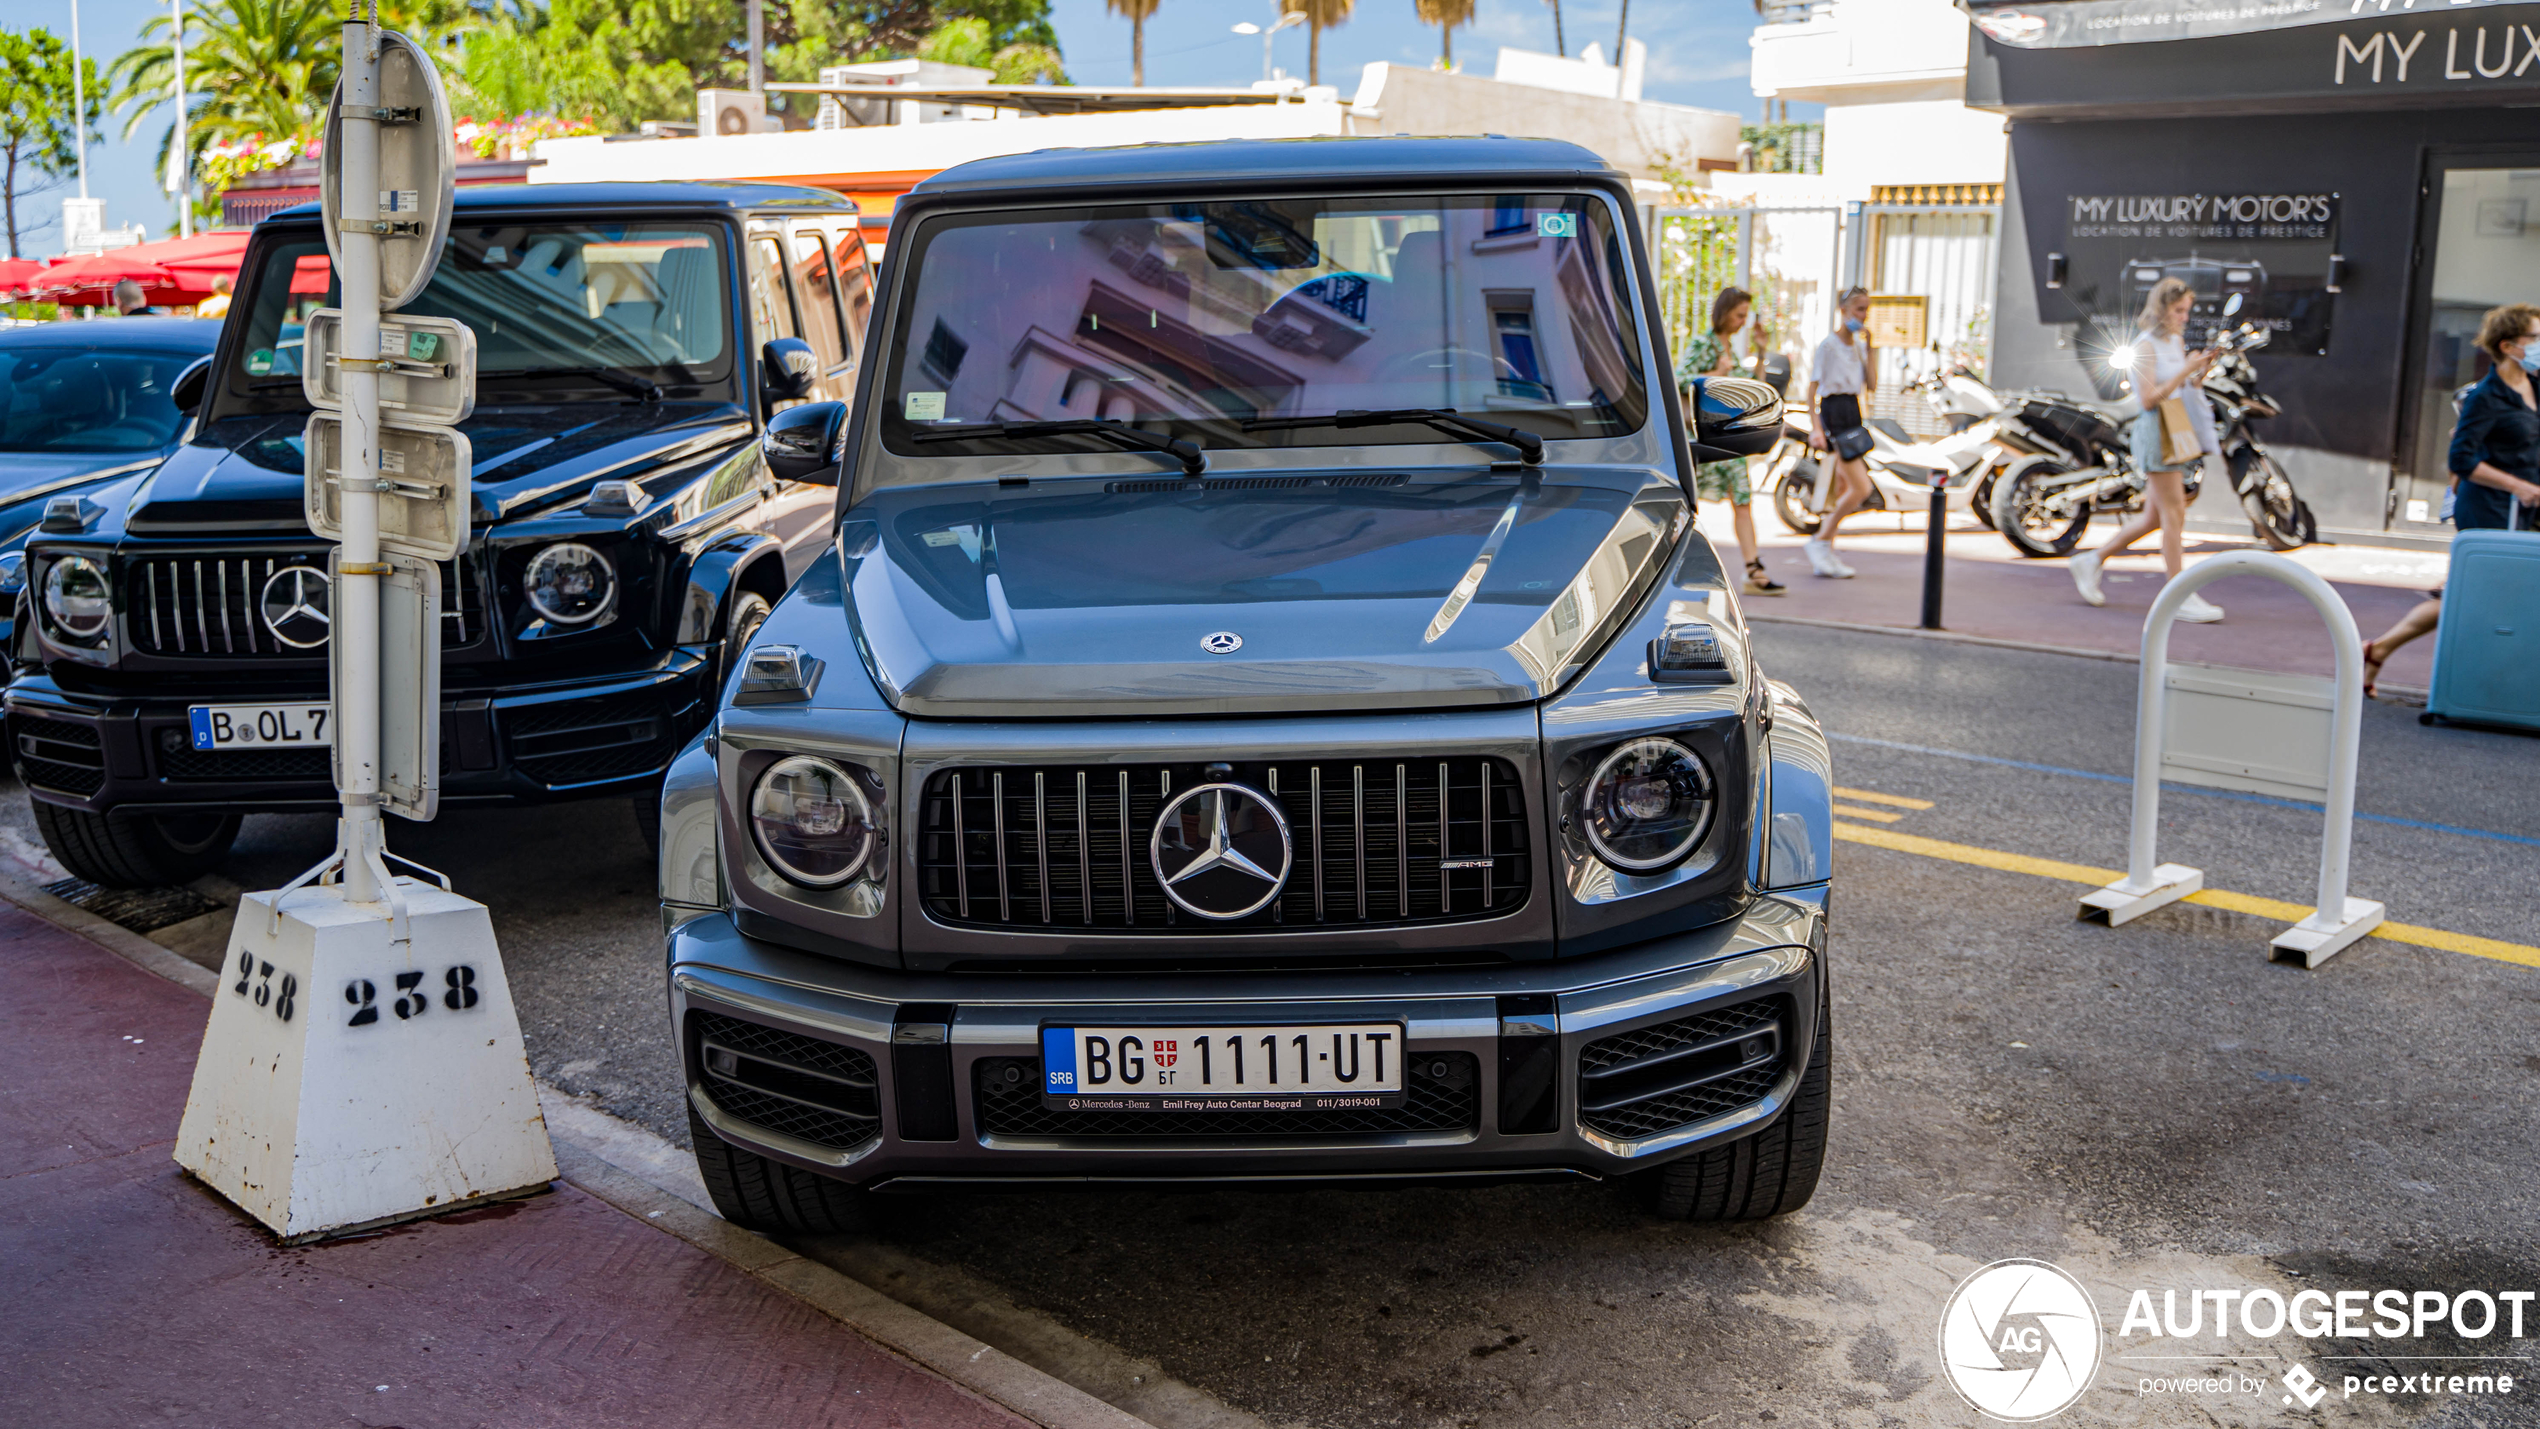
(1265, 715)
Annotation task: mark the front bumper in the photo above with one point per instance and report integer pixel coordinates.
(596, 734)
(895, 1080)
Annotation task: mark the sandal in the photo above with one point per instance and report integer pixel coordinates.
(2372, 668)
(1759, 583)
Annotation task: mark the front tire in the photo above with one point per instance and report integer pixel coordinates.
(2019, 515)
(1772, 1173)
(2275, 511)
(749, 611)
(1790, 499)
(752, 1191)
(118, 850)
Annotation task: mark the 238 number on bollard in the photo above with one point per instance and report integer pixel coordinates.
(412, 999)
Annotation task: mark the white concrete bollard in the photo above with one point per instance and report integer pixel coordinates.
(345, 1082)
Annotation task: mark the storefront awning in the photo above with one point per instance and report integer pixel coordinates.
(2067, 24)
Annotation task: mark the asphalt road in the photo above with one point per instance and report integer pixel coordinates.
(2156, 1106)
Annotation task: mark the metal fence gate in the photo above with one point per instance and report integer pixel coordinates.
(1930, 270)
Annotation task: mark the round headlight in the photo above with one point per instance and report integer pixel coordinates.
(75, 596)
(812, 821)
(569, 583)
(1648, 805)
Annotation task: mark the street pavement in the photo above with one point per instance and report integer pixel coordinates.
(2157, 1105)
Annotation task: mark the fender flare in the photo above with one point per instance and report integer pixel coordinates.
(1795, 838)
(713, 574)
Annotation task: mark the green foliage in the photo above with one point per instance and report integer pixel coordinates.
(1785, 148)
(968, 41)
(36, 135)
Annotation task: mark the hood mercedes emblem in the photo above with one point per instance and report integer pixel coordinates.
(294, 606)
(1221, 850)
(1224, 642)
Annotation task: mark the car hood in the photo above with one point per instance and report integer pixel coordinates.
(1249, 595)
(30, 479)
(245, 473)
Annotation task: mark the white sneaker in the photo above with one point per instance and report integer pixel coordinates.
(2197, 610)
(1842, 572)
(2085, 569)
(1820, 555)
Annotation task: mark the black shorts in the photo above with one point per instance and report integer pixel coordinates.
(1841, 414)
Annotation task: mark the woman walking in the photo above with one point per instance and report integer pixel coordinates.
(1709, 356)
(1843, 376)
(2495, 458)
(2163, 368)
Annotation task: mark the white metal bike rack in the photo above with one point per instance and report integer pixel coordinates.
(2336, 920)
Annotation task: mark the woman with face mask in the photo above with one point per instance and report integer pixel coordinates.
(2495, 458)
(2163, 368)
(1843, 378)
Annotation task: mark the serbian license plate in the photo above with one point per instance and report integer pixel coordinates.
(1326, 1067)
(255, 726)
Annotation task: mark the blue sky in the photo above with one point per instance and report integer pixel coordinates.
(1698, 56)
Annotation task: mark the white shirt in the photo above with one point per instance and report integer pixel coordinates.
(2169, 359)
(1838, 366)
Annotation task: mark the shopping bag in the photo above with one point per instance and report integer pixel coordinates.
(2179, 442)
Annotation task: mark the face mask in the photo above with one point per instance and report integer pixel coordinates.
(2530, 361)
(1852, 324)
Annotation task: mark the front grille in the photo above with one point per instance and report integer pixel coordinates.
(212, 604)
(582, 741)
(187, 762)
(1378, 842)
(1441, 1093)
(797, 1086)
(1673, 1074)
(59, 755)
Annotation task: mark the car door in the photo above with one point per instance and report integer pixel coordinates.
(792, 268)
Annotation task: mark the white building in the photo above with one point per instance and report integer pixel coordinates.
(1892, 75)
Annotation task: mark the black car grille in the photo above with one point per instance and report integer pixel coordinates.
(187, 762)
(211, 604)
(797, 1086)
(1654, 1079)
(584, 741)
(1379, 842)
(1441, 1093)
(57, 754)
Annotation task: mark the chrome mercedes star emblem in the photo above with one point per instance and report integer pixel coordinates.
(1221, 850)
(1224, 642)
(294, 606)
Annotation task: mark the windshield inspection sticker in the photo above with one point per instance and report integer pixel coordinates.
(925, 407)
(1557, 225)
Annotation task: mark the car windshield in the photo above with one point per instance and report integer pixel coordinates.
(1193, 319)
(77, 399)
(647, 299)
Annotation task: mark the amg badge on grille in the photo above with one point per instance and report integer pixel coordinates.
(1221, 850)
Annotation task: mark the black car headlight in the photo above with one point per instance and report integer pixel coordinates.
(1648, 805)
(77, 599)
(569, 583)
(812, 821)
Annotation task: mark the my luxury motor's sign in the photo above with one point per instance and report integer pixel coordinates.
(2259, 258)
(2063, 24)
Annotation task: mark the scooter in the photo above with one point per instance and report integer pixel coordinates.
(2277, 513)
(1902, 470)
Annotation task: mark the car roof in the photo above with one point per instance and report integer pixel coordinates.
(665, 194)
(1351, 161)
(168, 333)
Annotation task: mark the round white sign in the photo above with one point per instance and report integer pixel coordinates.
(2020, 1340)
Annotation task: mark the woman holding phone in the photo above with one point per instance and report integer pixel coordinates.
(1711, 355)
(2163, 368)
(1844, 376)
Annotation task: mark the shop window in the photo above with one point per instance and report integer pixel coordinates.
(2486, 247)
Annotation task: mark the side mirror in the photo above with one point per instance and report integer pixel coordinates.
(1734, 416)
(187, 391)
(787, 368)
(803, 443)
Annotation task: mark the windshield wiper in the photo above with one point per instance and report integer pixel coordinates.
(1444, 419)
(640, 388)
(1193, 460)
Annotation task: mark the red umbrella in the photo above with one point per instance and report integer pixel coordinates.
(17, 275)
(175, 273)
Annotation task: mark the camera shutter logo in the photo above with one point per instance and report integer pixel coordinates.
(2020, 1341)
(293, 605)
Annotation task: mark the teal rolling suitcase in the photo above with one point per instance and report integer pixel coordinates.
(2487, 648)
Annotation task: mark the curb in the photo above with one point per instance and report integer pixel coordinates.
(2408, 694)
(942, 1350)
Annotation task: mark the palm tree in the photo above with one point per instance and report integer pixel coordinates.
(1320, 15)
(253, 67)
(1446, 15)
(1561, 46)
(1137, 11)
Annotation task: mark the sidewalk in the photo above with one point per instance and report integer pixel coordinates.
(1994, 592)
(132, 1295)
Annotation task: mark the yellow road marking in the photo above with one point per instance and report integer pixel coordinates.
(2438, 938)
(1873, 814)
(1866, 797)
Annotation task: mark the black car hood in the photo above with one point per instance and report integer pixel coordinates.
(1284, 593)
(30, 479)
(245, 474)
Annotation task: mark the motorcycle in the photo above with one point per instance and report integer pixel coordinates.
(2277, 513)
(1902, 470)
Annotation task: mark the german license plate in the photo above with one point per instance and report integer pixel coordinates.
(1320, 1067)
(255, 726)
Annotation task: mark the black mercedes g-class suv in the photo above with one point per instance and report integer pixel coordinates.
(641, 501)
